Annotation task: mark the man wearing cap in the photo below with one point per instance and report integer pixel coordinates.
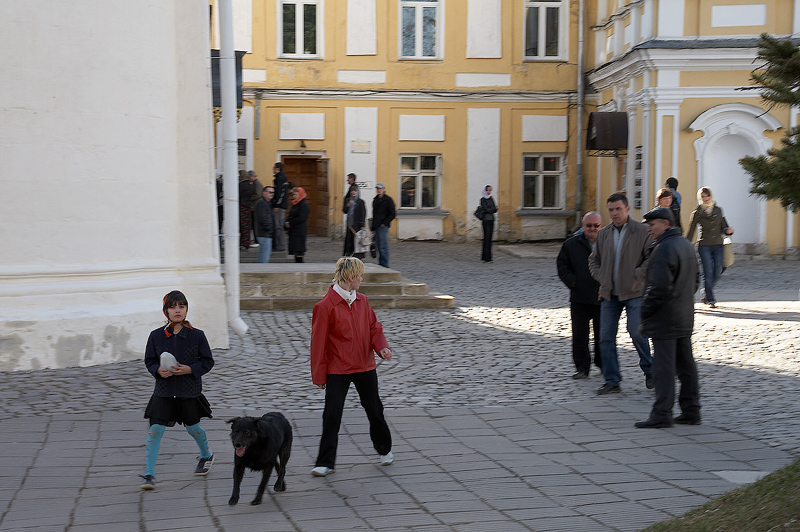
(667, 311)
(383, 212)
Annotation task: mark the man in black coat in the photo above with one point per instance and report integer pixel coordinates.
(383, 212)
(584, 306)
(280, 202)
(667, 310)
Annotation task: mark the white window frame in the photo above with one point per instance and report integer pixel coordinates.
(299, 25)
(562, 179)
(419, 173)
(563, 29)
(418, 46)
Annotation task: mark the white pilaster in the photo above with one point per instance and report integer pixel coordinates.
(483, 161)
(484, 29)
(361, 27)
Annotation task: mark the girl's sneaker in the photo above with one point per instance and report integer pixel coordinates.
(203, 465)
(149, 482)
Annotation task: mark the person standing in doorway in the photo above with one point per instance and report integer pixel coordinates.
(265, 224)
(383, 212)
(584, 306)
(618, 263)
(280, 202)
(489, 210)
(668, 318)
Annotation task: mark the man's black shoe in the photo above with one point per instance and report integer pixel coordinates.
(651, 423)
(648, 381)
(608, 388)
(580, 375)
(683, 419)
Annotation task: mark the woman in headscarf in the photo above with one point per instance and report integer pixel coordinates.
(489, 209)
(296, 223)
(356, 211)
(713, 227)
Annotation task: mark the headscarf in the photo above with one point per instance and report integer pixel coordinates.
(706, 206)
(301, 195)
(483, 192)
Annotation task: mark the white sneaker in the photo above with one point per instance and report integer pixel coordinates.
(387, 459)
(321, 471)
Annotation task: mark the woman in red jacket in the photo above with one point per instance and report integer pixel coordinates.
(344, 335)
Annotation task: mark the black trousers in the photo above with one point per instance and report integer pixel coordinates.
(488, 229)
(349, 242)
(582, 314)
(670, 357)
(335, 395)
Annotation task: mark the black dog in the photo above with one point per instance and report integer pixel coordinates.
(261, 443)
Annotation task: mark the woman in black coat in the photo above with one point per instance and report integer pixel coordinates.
(296, 223)
(489, 208)
(356, 211)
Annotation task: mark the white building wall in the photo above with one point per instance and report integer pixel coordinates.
(106, 183)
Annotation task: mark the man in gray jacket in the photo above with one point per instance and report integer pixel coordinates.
(618, 262)
(668, 318)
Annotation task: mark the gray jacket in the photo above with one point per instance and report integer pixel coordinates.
(632, 264)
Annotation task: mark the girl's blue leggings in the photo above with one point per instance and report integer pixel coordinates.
(154, 442)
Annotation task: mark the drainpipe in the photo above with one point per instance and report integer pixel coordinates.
(230, 176)
(579, 130)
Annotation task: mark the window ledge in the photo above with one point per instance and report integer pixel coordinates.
(545, 212)
(422, 212)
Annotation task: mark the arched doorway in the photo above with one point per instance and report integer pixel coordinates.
(730, 132)
(730, 186)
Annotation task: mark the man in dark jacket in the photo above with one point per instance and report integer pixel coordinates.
(584, 306)
(383, 212)
(280, 202)
(667, 311)
(265, 224)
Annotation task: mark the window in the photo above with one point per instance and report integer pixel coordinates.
(420, 176)
(543, 27)
(542, 176)
(300, 22)
(419, 33)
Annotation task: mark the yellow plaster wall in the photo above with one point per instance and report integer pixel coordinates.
(716, 78)
(698, 18)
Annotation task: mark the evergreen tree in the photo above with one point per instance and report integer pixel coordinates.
(777, 174)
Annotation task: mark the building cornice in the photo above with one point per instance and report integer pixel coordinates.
(411, 96)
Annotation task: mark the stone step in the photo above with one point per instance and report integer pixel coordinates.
(294, 286)
(406, 287)
(429, 301)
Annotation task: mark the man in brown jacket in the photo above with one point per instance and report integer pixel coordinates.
(619, 262)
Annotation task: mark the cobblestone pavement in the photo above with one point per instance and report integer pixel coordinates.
(491, 431)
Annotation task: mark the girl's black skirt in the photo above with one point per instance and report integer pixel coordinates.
(170, 410)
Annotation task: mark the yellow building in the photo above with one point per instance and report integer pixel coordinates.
(438, 97)
(435, 98)
(676, 69)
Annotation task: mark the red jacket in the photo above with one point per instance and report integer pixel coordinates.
(343, 337)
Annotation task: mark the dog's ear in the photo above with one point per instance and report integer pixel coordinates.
(232, 421)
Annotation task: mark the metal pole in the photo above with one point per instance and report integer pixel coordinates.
(579, 131)
(230, 199)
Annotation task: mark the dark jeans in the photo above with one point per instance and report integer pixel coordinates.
(349, 242)
(335, 395)
(610, 313)
(382, 245)
(488, 229)
(711, 260)
(674, 356)
(582, 314)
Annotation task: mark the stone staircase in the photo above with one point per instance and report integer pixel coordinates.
(292, 286)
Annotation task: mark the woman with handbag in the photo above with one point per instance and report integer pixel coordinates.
(713, 228)
(488, 208)
(356, 211)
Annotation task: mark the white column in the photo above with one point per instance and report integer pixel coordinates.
(483, 162)
(670, 18)
(484, 29)
(361, 27)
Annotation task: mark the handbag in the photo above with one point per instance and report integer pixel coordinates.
(727, 252)
(479, 212)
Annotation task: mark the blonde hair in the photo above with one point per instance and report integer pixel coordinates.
(347, 268)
